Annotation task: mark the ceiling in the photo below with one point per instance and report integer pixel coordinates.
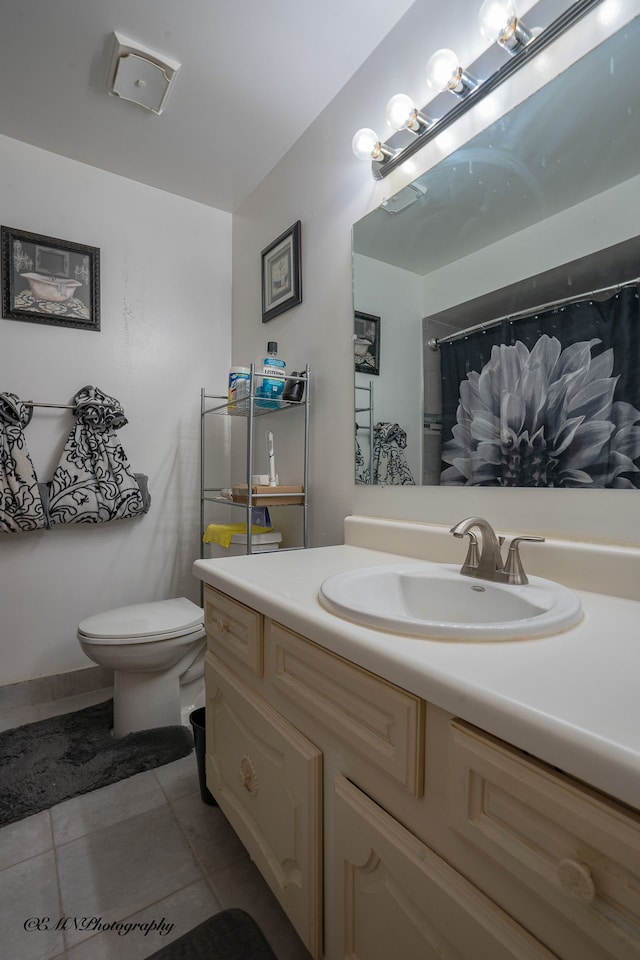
(252, 73)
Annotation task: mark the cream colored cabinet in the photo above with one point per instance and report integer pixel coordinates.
(573, 849)
(266, 778)
(387, 828)
(369, 716)
(234, 629)
(396, 898)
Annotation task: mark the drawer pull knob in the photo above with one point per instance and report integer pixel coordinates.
(248, 776)
(576, 880)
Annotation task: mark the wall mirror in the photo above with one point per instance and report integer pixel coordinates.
(504, 283)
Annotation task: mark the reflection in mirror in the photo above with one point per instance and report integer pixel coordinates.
(494, 258)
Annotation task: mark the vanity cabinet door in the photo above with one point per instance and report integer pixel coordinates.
(396, 898)
(575, 850)
(266, 777)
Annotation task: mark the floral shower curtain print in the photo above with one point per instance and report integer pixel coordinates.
(550, 400)
(20, 504)
(93, 482)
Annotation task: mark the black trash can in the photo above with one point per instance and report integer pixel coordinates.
(197, 720)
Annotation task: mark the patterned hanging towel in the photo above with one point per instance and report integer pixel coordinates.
(93, 482)
(363, 474)
(20, 502)
(389, 464)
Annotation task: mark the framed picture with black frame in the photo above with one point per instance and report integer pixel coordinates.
(282, 273)
(47, 280)
(367, 343)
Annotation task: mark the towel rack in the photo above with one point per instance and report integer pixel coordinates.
(59, 406)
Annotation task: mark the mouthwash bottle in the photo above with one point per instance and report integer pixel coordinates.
(270, 370)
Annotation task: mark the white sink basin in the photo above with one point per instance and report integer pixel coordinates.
(434, 600)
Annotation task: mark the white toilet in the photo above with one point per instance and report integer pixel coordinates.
(156, 651)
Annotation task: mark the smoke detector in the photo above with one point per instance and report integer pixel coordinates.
(140, 75)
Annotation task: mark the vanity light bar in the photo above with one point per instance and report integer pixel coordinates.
(386, 157)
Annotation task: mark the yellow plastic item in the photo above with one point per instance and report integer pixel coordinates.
(222, 533)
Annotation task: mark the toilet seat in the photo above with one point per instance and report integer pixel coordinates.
(142, 622)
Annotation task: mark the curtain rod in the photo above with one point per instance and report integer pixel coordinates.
(434, 342)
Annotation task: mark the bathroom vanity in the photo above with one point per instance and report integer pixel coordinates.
(418, 798)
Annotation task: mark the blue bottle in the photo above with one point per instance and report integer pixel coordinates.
(270, 370)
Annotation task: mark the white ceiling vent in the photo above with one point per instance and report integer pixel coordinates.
(140, 75)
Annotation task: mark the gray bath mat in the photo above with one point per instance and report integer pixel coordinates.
(48, 761)
(230, 935)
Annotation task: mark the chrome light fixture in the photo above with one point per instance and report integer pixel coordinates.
(499, 22)
(445, 73)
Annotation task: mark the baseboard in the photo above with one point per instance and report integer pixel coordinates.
(45, 689)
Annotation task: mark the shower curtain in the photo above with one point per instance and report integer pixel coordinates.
(20, 503)
(549, 400)
(93, 482)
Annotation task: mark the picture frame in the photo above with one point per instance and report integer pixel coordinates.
(48, 280)
(367, 343)
(282, 273)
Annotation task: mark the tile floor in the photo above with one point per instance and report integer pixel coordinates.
(141, 850)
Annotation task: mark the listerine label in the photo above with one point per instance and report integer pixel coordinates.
(273, 365)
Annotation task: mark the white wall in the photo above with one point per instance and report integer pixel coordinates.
(585, 228)
(322, 184)
(165, 304)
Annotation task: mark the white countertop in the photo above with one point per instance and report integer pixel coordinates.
(572, 699)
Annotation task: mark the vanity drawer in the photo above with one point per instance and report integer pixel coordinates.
(267, 779)
(377, 719)
(235, 628)
(574, 849)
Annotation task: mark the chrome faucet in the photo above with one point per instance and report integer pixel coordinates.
(486, 564)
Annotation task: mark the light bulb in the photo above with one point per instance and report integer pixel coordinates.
(442, 69)
(499, 22)
(494, 16)
(367, 146)
(445, 73)
(400, 112)
(365, 143)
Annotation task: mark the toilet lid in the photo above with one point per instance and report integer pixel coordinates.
(161, 618)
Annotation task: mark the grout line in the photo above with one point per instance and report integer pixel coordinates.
(60, 903)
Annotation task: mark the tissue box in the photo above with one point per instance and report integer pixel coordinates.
(266, 496)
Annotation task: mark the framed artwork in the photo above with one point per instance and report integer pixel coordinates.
(46, 280)
(367, 343)
(281, 274)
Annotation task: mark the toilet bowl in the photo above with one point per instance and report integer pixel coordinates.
(156, 651)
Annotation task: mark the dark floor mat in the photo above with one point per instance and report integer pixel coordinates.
(229, 935)
(48, 761)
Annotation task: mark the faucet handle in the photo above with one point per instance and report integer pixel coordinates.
(513, 568)
(472, 558)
